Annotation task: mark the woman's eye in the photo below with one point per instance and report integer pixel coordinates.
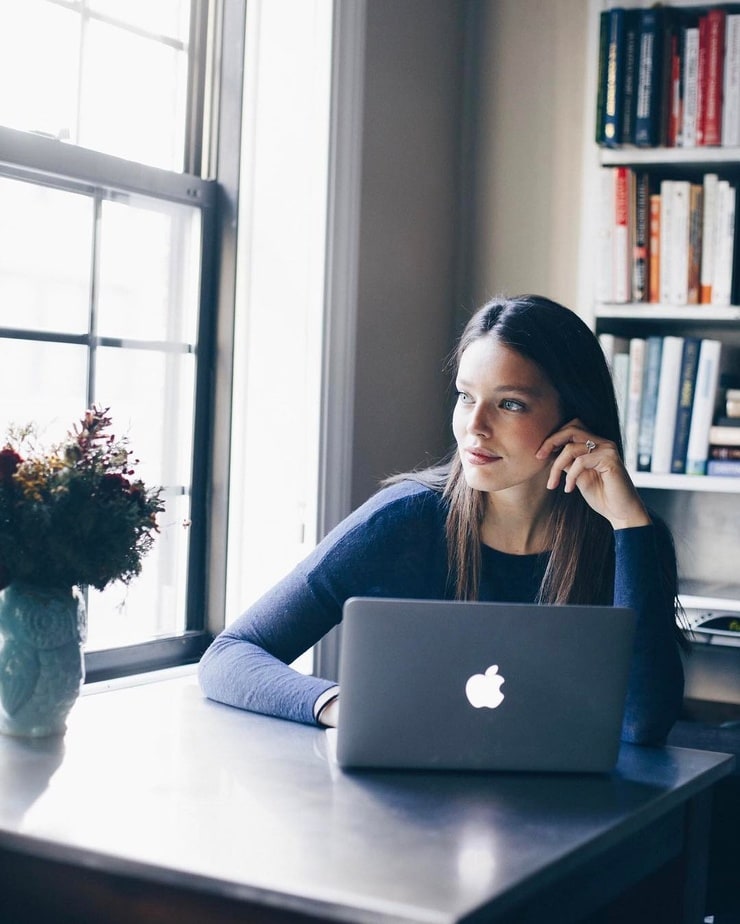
(464, 398)
(509, 404)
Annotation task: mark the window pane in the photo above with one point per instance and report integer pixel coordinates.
(153, 604)
(39, 64)
(149, 273)
(117, 86)
(163, 17)
(151, 397)
(133, 97)
(45, 252)
(42, 383)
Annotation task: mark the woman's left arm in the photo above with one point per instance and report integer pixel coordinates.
(644, 580)
(655, 690)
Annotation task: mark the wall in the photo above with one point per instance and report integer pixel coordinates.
(474, 132)
(529, 115)
(409, 235)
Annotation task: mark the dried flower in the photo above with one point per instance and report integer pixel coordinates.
(76, 514)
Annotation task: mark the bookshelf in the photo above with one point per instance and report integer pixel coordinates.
(703, 511)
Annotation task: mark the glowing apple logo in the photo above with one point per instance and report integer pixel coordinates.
(484, 690)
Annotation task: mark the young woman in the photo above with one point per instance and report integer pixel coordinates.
(535, 504)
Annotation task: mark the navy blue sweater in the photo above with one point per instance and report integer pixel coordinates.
(394, 546)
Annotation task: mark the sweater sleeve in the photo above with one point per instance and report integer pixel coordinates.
(391, 546)
(655, 690)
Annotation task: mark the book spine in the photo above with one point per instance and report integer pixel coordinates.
(600, 136)
(701, 82)
(679, 243)
(724, 467)
(676, 114)
(605, 240)
(731, 100)
(634, 399)
(716, 18)
(708, 237)
(622, 261)
(647, 128)
(649, 402)
(724, 436)
(665, 411)
(685, 403)
(620, 376)
(629, 78)
(696, 194)
(669, 43)
(689, 79)
(724, 452)
(613, 102)
(666, 249)
(654, 250)
(705, 394)
(640, 252)
(724, 244)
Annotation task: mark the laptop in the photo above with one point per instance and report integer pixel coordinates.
(452, 685)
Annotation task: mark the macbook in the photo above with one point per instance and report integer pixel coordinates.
(428, 684)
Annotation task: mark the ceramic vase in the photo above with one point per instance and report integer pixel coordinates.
(42, 631)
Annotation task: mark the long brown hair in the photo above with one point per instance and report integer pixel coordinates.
(581, 563)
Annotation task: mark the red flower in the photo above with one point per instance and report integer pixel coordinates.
(9, 462)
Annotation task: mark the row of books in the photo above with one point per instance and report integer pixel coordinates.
(667, 390)
(669, 76)
(665, 240)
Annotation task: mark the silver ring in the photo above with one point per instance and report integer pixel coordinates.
(590, 445)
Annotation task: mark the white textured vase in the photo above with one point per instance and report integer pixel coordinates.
(41, 663)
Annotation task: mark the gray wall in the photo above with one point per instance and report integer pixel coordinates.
(474, 132)
(409, 236)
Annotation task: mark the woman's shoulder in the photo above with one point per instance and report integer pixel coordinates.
(401, 499)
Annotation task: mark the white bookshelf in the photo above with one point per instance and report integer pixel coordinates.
(702, 511)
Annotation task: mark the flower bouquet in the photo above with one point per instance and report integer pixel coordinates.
(74, 515)
(70, 517)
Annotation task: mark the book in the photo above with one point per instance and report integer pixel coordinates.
(724, 452)
(689, 83)
(716, 18)
(649, 401)
(605, 237)
(654, 249)
(724, 436)
(637, 350)
(620, 377)
(640, 238)
(701, 83)
(731, 96)
(611, 344)
(629, 78)
(696, 194)
(724, 467)
(670, 70)
(649, 66)
(601, 78)
(705, 396)
(708, 237)
(665, 410)
(685, 403)
(724, 244)
(678, 241)
(621, 241)
(675, 98)
(666, 249)
(614, 77)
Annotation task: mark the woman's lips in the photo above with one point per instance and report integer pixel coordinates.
(481, 456)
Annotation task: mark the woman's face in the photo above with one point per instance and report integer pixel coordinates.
(505, 408)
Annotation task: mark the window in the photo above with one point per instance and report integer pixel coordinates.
(108, 260)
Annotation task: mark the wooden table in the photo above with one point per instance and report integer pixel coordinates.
(161, 806)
